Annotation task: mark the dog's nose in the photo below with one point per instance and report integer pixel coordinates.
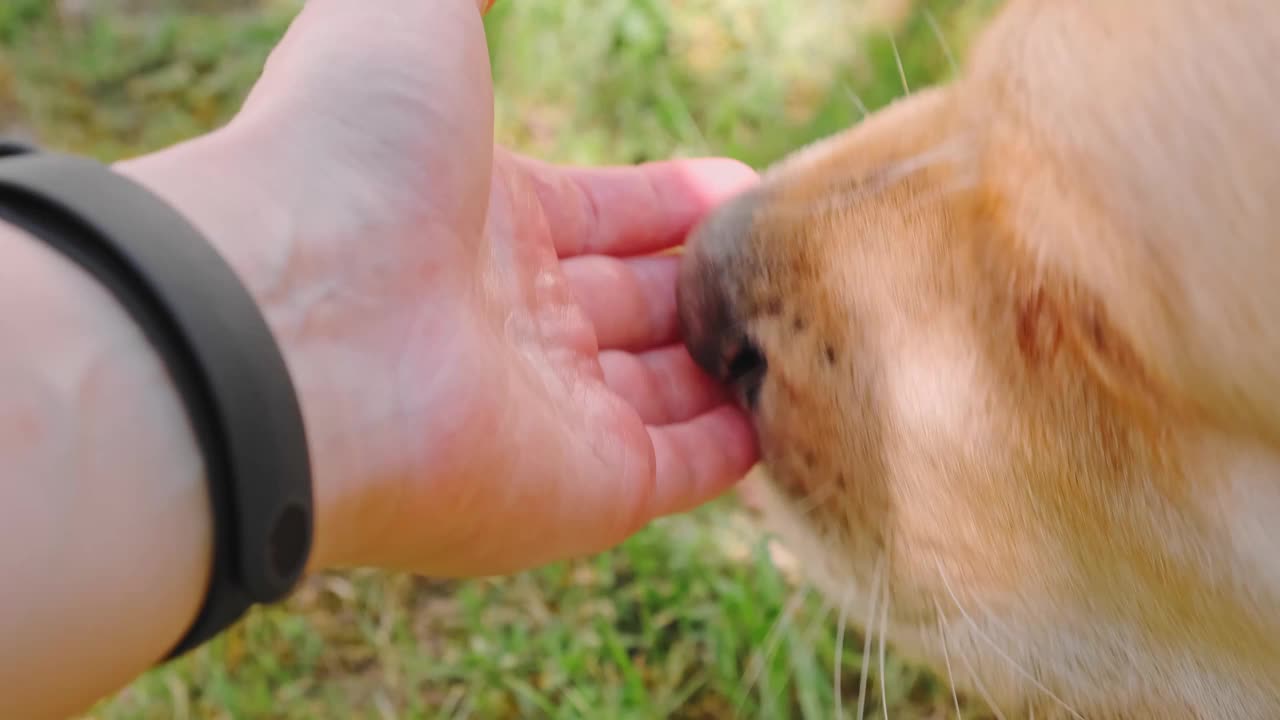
(709, 297)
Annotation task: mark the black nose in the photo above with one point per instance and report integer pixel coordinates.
(710, 298)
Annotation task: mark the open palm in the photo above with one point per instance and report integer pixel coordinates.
(606, 422)
(485, 346)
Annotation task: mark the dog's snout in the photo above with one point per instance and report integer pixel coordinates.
(709, 297)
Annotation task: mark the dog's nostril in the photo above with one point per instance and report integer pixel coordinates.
(744, 372)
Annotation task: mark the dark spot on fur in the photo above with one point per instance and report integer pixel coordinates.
(1097, 335)
(798, 323)
(772, 306)
(831, 355)
(810, 459)
(1038, 329)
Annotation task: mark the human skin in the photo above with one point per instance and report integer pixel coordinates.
(484, 346)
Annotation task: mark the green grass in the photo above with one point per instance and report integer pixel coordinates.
(677, 621)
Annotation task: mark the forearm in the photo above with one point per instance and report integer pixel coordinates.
(104, 505)
(108, 532)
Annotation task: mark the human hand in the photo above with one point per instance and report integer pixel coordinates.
(485, 346)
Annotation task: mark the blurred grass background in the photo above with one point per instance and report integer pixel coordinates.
(683, 620)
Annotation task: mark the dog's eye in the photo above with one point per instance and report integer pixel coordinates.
(745, 372)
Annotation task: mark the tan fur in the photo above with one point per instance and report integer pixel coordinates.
(1023, 344)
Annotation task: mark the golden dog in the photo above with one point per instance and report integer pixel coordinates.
(1012, 347)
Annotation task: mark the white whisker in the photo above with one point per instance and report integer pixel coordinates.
(869, 632)
(884, 624)
(942, 40)
(978, 632)
(838, 663)
(857, 100)
(982, 689)
(946, 656)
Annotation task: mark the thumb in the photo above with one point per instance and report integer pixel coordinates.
(394, 95)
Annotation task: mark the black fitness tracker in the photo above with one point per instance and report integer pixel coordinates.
(218, 350)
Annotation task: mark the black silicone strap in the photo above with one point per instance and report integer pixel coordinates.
(218, 350)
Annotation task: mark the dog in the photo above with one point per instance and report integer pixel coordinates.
(1011, 346)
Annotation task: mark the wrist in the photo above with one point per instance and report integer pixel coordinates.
(222, 184)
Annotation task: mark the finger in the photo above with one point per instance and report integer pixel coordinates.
(698, 460)
(664, 386)
(631, 210)
(631, 303)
